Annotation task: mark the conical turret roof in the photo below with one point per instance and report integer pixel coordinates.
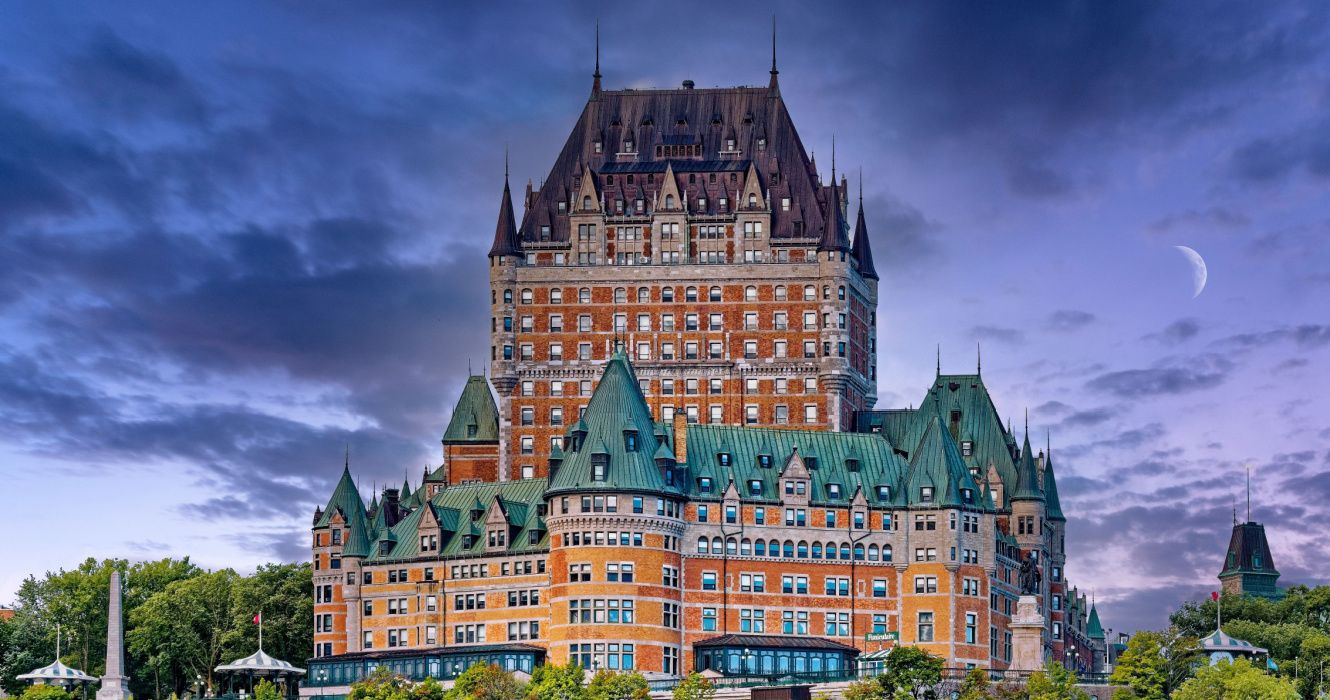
(1028, 487)
(345, 497)
(862, 249)
(476, 416)
(506, 241)
(1093, 628)
(1054, 507)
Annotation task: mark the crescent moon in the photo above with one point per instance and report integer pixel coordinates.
(1199, 273)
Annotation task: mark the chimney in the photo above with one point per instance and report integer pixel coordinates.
(680, 439)
(391, 511)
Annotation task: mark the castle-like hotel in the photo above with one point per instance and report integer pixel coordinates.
(684, 469)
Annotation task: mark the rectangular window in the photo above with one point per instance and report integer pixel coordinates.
(925, 628)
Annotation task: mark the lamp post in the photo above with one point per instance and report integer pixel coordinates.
(322, 676)
(198, 684)
(747, 655)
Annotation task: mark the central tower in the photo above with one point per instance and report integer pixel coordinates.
(690, 228)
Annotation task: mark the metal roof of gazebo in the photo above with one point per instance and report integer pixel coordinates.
(261, 664)
(56, 673)
(1218, 641)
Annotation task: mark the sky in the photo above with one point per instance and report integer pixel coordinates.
(237, 238)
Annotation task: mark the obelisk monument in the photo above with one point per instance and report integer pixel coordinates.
(114, 681)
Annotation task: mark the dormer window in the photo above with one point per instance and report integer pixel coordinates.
(385, 548)
(1256, 562)
(755, 487)
(967, 448)
(833, 490)
(545, 230)
(628, 146)
(752, 200)
(724, 203)
(586, 203)
(926, 494)
(669, 201)
(468, 541)
(630, 440)
(599, 466)
(729, 144)
(701, 202)
(762, 144)
(852, 465)
(641, 205)
(968, 495)
(764, 461)
(723, 458)
(810, 462)
(597, 146)
(704, 484)
(471, 431)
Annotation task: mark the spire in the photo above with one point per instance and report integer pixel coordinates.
(1249, 493)
(862, 249)
(833, 162)
(978, 358)
(595, 77)
(939, 359)
(1028, 487)
(773, 85)
(506, 241)
(1054, 507)
(833, 232)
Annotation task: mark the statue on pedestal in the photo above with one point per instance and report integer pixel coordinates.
(1031, 578)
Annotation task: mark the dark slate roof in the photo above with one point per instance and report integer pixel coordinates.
(1246, 549)
(772, 641)
(616, 407)
(862, 250)
(698, 116)
(506, 241)
(475, 407)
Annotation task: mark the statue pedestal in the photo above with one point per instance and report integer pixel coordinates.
(1027, 635)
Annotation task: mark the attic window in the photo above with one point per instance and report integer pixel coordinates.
(755, 487)
(599, 465)
(761, 144)
(533, 537)
(723, 458)
(630, 440)
(597, 146)
(833, 490)
(926, 494)
(1256, 562)
(883, 493)
(704, 484)
(968, 495)
(563, 207)
(651, 178)
(681, 122)
(609, 179)
(545, 230)
(471, 431)
(715, 118)
(967, 448)
(628, 146)
(852, 465)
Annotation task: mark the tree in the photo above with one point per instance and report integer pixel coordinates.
(1055, 682)
(608, 685)
(284, 593)
(179, 631)
(382, 684)
(694, 686)
(868, 689)
(551, 682)
(975, 685)
(1236, 681)
(912, 670)
(46, 692)
(1142, 669)
(265, 690)
(480, 682)
(430, 689)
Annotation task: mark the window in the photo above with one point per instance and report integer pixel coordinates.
(879, 588)
(925, 584)
(708, 619)
(714, 294)
(925, 629)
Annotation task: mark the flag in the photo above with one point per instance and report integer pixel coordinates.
(1214, 595)
(258, 618)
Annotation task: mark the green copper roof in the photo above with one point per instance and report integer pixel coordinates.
(452, 507)
(476, 417)
(1054, 503)
(345, 498)
(1094, 629)
(1028, 487)
(357, 539)
(405, 492)
(616, 414)
(936, 463)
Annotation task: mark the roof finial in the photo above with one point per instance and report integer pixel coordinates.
(978, 358)
(939, 359)
(774, 72)
(861, 187)
(1027, 422)
(347, 463)
(595, 77)
(1249, 492)
(833, 160)
(505, 164)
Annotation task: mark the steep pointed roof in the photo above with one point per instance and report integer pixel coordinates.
(506, 241)
(616, 408)
(357, 538)
(475, 417)
(405, 493)
(1054, 507)
(835, 232)
(345, 498)
(1094, 629)
(862, 249)
(1249, 552)
(1028, 487)
(937, 462)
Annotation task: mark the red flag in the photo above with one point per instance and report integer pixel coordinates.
(1214, 595)
(258, 617)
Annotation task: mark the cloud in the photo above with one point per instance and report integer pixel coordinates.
(1052, 408)
(1201, 220)
(1191, 374)
(903, 237)
(1065, 320)
(113, 76)
(1179, 331)
(1270, 159)
(1009, 336)
(1089, 418)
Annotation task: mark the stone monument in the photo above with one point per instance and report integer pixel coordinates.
(1027, 635)
(114, 682)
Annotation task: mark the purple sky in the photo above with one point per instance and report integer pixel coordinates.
(236, 237)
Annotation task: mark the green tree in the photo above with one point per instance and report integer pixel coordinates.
(482, 682)
(975, 685)
(265, 690)
(1236, 681)
(551, 682)
(912, 670)
(868, 689)
(694, 686)
(46, 692)
(382, 684)
(609, 685)
(430, 689)
(1055, 682)
(179, 631)
(1142, 669)
(284, 593)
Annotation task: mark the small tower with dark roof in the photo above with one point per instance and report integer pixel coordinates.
(1249, 569)
(471, 441)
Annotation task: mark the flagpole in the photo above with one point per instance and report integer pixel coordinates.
(260, 629)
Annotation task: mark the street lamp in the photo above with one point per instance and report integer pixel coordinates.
(322, 675)
(747, 655)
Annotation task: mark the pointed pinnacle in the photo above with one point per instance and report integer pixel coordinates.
(773, 45)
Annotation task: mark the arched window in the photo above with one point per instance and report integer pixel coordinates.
(826, 292)
(810, 292)
(831, 550)
(526, 296)
(667, 293)
(620, 295)
(750, 293)
(715, 545)
(858, 552)
(669, 201)
(584, 295)
(643, 295)
(803, 550)
(715, 294)
(787, 549)
(886, 552)
(773, 548)
(845, 551)
(731, 546)
(760, 548)
(703, 545)
(690, 294)
(872, 552)
(746, 547)
(752, 199)
(840, 292)
(780, 292)
(817, 550)
(586, 203)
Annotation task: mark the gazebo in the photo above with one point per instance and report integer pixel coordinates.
(56, 673)
(1218, 646)
(262, 665)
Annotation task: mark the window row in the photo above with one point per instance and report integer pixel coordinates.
(644, 295)
(792, 550)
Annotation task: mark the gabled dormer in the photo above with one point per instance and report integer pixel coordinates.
(752, 198)
(498, 528)
(669, 198)
(795, 481)
(588, 198)
(428, 530)
(859, 509)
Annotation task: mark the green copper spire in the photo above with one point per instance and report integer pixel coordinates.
(1054, 507)
(476, 417)
(1093, 627)
(1028, 487)
(345, 497)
